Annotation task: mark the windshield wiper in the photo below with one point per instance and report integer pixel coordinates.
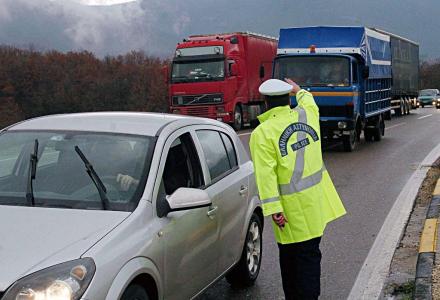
(95, 178)
(31, 175)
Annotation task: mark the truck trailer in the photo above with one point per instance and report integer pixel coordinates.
(350, 72)
(217, 76)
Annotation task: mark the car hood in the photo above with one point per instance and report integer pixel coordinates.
(34, 238)
(427, 97)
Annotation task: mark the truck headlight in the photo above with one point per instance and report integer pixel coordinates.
(342, 125)
(66, 281)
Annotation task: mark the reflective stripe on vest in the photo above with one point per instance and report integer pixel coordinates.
(297, 183)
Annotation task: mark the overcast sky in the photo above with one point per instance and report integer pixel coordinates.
(157, 25)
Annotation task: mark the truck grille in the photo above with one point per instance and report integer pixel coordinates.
(197, 99)
(336, 111)
(198, 111)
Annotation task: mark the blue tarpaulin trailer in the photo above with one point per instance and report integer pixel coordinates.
(349, 71)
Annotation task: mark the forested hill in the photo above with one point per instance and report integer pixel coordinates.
(34, 83)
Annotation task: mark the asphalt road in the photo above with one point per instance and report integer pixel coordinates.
(369, 181)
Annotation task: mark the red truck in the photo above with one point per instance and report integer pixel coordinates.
(217, 76)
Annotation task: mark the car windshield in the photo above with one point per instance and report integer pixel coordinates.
(314, 70)
(427, 93)
(61, 179)
(195, 71)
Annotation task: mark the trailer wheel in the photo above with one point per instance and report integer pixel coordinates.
(238, 118)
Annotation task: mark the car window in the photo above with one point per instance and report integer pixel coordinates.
(215, 152)
(182, 166)
(61, 179)
(232, 156)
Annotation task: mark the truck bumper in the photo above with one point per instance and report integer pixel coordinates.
(216, 112)
(331, 127)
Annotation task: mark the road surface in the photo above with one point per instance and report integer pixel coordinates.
(369, 181)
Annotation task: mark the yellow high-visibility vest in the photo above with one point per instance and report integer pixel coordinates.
(290, 173)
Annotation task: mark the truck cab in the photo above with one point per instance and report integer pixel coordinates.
(334, 82)
(217, 76)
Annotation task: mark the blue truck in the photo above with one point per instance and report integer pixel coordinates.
(356, 74)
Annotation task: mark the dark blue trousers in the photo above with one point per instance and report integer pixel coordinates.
(300, 265)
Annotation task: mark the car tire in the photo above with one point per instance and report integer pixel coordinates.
(245, 272)
(135, 292)
(238, 118)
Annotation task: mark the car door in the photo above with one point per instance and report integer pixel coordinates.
(189, 237)
(228, 187)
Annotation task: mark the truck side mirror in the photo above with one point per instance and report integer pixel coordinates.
(366, 72)
(166, 73)
(233, 71)
(261, 71)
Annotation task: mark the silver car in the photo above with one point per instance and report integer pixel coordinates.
(125, 206)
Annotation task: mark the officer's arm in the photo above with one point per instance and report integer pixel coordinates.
(265, 163)
(305, 100)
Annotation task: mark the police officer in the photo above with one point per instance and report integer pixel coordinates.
(293, 184)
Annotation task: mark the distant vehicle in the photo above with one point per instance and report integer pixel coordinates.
(356, 74)
(428, 97)
(217, 76)
(71, 230)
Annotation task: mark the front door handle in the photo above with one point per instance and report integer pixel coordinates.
(212, 211)
(243, 190)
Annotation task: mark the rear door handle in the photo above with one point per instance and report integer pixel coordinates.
(243, 190)
(212, 211)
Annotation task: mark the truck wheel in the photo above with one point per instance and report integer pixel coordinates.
(349, 141)
(368, 135)
(238, 118)
(379, 131)
(245, 272)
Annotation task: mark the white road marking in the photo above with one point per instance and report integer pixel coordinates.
(245, 133)
(395, 125)
(374, 271)
(424, 117)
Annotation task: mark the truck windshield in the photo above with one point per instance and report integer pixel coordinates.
(196, 71)
(61, 179)
(314, 70)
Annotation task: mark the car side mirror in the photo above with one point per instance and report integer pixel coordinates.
(366, 72)
(183, 199)
(234, 70)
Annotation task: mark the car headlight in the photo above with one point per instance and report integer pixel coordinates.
(66, 281)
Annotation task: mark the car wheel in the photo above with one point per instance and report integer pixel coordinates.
(245, 272)
(135, 292)
(238, 118)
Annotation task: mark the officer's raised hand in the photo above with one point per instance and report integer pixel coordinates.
(295, 87)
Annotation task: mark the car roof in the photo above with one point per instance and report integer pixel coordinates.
(149, 124)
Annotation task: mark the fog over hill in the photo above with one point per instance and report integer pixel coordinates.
(157, 25)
